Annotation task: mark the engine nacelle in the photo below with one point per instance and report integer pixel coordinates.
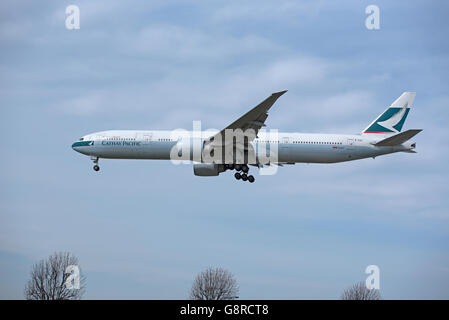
(207, 169)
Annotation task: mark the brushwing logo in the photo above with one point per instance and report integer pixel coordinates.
(394, 120)
(391, 121)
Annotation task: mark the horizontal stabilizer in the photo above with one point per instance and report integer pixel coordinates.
(398, 139)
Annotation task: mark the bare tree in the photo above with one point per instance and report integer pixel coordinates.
(214, 284)
(48, 279)
(359, 291)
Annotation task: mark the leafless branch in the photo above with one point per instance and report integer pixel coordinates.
(359, 291)
(48, 279)
(214, 284)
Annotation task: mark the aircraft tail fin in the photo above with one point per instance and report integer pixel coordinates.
(399, 138)
(393, 118)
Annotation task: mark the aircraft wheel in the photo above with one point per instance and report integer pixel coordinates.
(245, 168)
(251, 179)
(244, 177)
(96, 168)
(238, 167)
(238, 176)
(231, 166)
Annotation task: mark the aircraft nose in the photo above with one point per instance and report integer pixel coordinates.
(81, 145)
(75, 146)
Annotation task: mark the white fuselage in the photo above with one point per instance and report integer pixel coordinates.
(291, 147)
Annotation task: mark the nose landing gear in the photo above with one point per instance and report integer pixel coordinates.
(96, 166)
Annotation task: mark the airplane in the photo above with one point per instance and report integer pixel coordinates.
(380, 137)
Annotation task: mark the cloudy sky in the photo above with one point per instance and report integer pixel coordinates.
(144, 229)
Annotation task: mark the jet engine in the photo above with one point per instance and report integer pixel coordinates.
(207, 169)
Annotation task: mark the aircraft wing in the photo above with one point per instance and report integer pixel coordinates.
(253, 119)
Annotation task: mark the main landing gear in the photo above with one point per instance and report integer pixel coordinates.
(96, 166)
(242, 170)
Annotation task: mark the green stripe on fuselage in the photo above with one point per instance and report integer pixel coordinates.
(82, 143)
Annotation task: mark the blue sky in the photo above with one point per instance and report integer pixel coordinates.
(144, 229)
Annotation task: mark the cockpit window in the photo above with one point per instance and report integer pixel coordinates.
(81, 139)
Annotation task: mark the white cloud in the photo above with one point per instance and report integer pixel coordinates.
(266, 11)
(85, 104)
(166, 42)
